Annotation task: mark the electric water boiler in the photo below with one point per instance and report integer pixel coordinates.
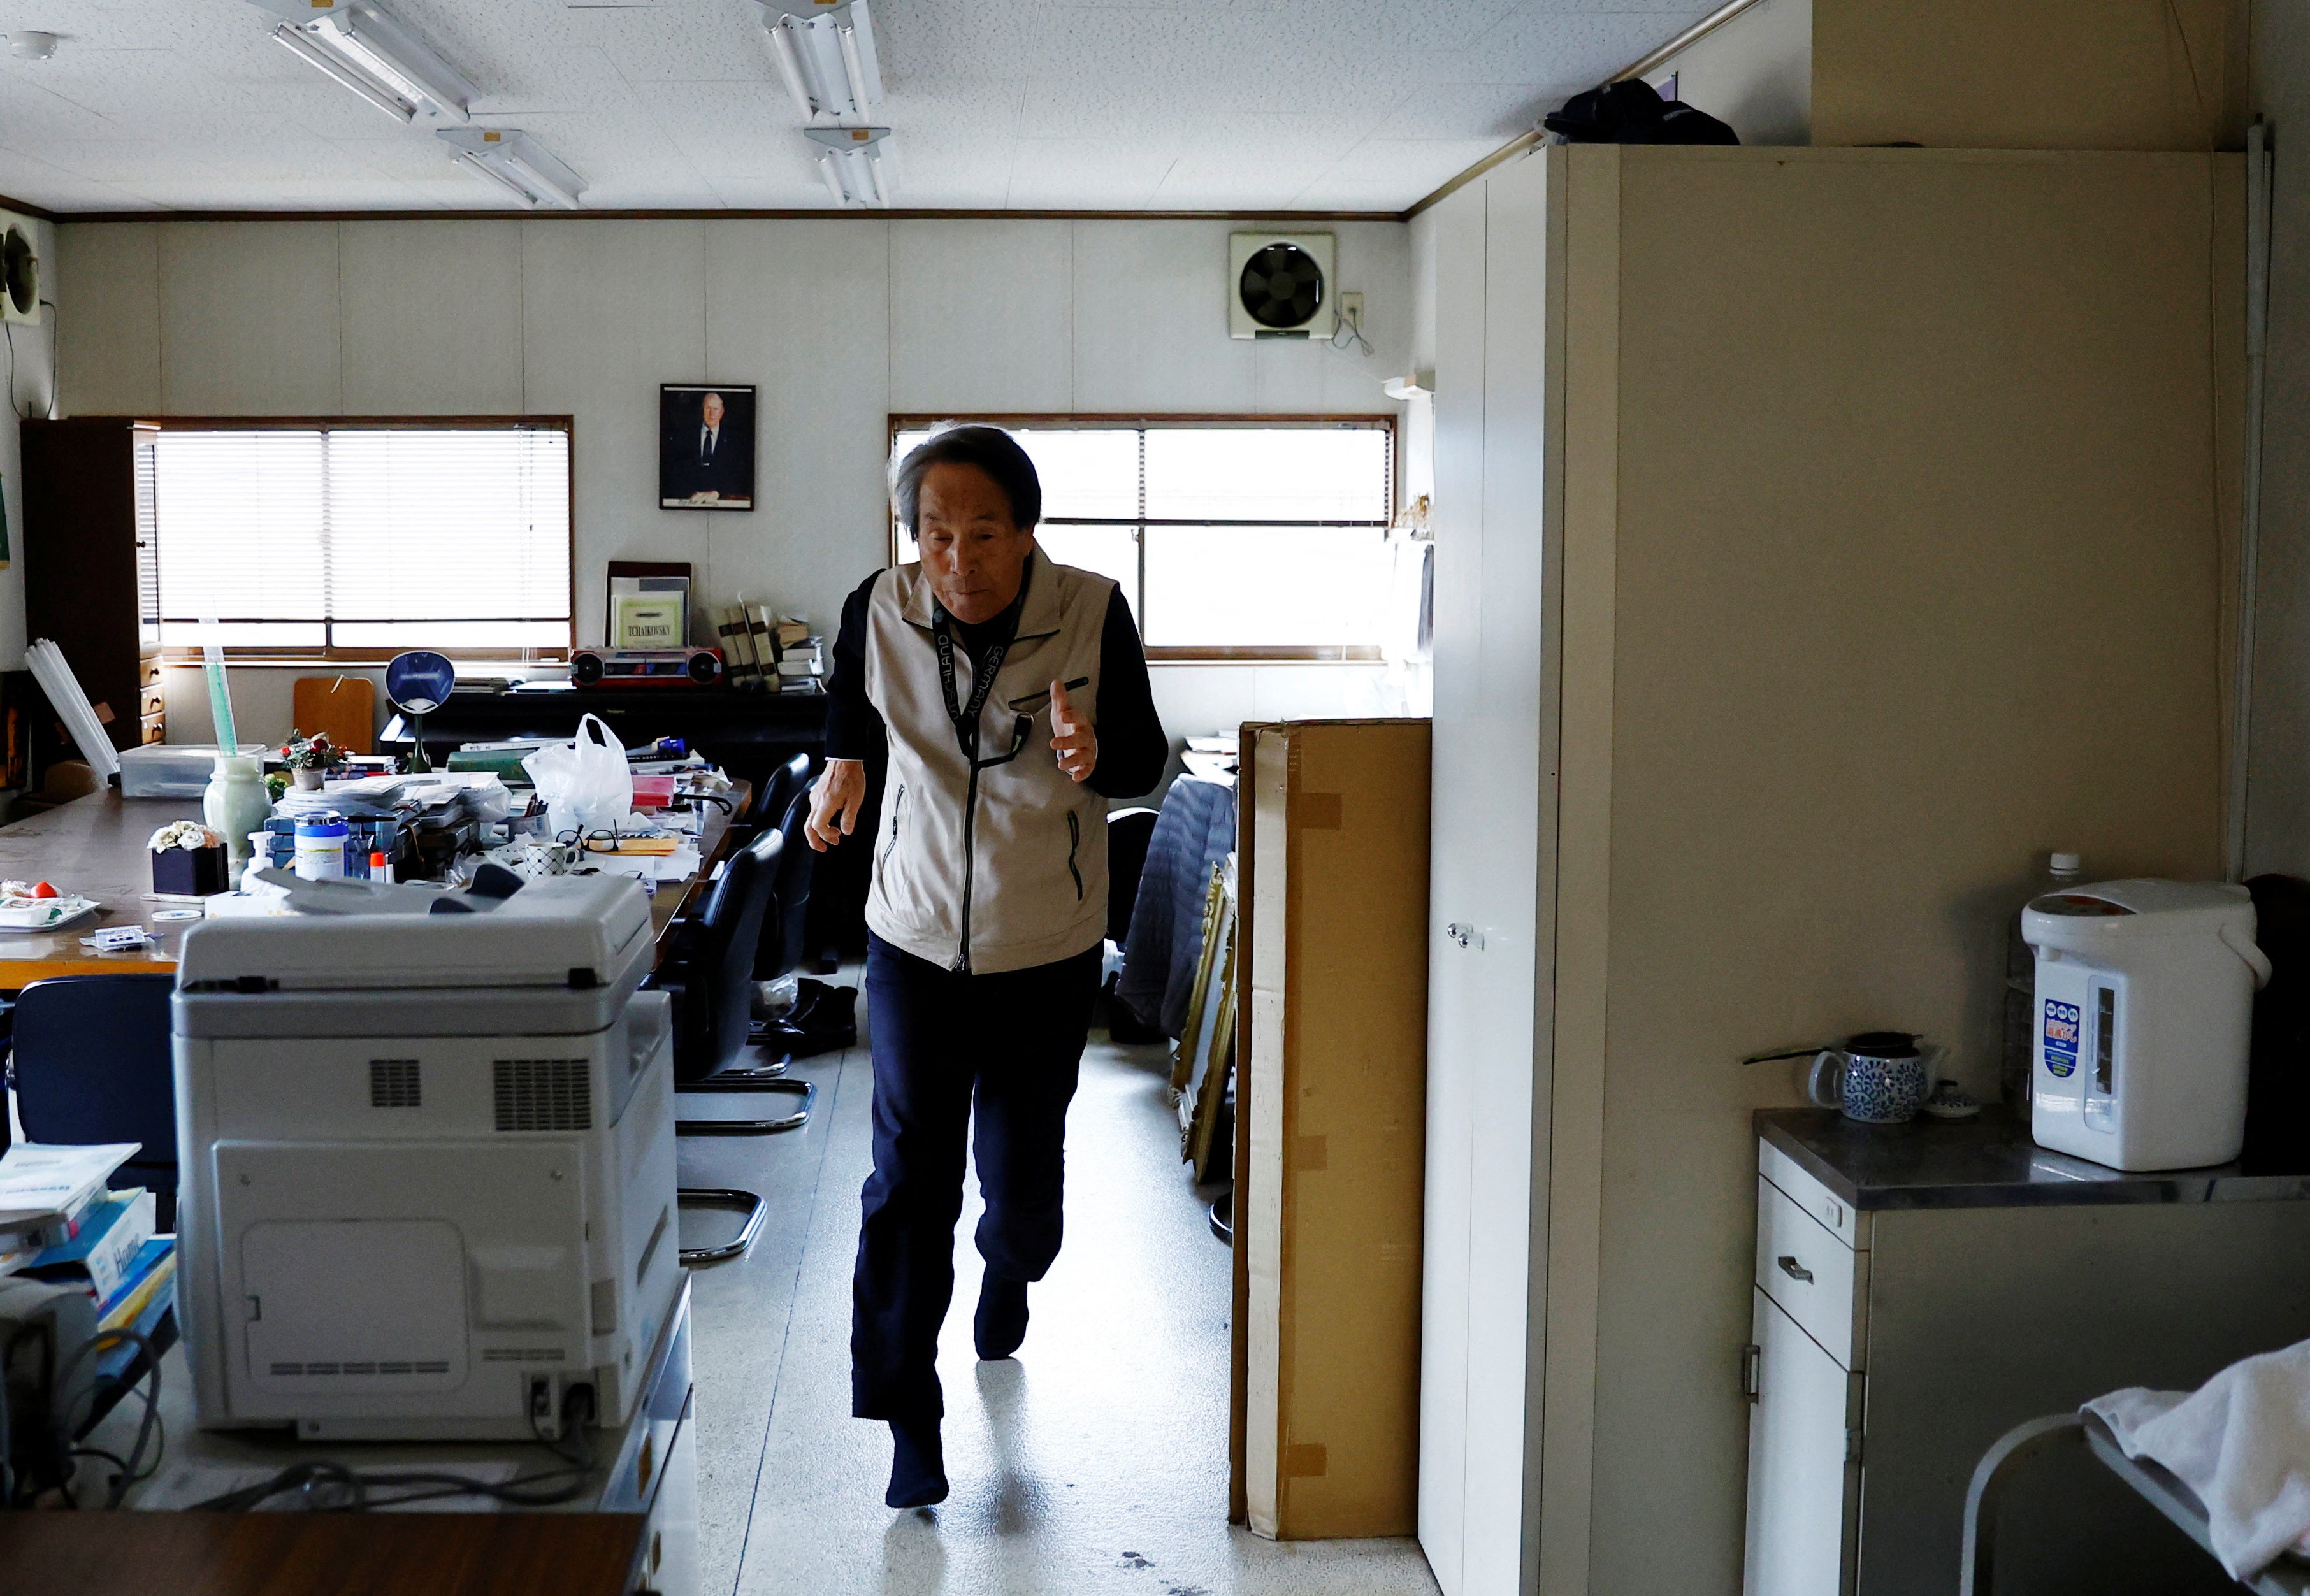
(2144, 1016)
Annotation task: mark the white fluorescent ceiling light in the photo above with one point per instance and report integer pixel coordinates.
(516, 162)
(856, 163)
(827, 58)
(363, 48)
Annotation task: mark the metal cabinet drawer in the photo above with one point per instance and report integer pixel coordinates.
(1849, 1226)
(1819, 1280)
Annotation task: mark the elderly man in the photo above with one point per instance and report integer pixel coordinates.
(1013, 696)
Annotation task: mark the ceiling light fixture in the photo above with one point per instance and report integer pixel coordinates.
(827, 57)
(364, 49)
(31, 44)
(854, 161)
(516, 162)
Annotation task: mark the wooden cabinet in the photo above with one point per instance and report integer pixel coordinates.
(89, 564)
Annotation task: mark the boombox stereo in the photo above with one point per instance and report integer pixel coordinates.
(646, 667)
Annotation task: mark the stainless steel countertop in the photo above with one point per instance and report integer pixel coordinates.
(1990, 1162)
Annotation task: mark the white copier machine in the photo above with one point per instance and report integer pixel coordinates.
(428, 1176)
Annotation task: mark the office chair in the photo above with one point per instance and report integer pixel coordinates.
(1128, 833)
(710, 978)
(777, 792)
(712, 983)
(89, 1061)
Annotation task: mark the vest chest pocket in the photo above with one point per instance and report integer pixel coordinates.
(1074, 845)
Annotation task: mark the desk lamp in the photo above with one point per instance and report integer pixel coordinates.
(419, 683)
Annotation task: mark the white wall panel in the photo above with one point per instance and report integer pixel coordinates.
(981, 316)
(801, 312)
(1150, 320)
(106, 286)
(461, 281)
(611, 310)
(1506, 779)
(1455, 871)
(31, 375)
(249, 320)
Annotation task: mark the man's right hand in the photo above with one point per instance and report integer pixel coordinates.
(834, 803)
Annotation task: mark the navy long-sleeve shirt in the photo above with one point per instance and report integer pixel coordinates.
(1133, 749)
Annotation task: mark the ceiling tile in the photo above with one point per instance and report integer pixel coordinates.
(1031, 104)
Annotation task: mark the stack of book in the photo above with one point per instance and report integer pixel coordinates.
(49, 1194)
(801, 658)
(763, 653)
(60, 1224)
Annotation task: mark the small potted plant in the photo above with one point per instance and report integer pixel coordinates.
(189, 860)
(311, 758)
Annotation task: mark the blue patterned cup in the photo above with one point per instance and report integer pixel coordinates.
(1878, 1078)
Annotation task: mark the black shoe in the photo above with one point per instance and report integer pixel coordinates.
(1001, 1323)
(917, 1464)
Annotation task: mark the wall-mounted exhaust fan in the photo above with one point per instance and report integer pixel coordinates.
(1279, 285)
(20, 270)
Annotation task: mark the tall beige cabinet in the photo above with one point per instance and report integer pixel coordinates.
(1821, 534)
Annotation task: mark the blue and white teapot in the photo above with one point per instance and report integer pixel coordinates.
(1878, 1078)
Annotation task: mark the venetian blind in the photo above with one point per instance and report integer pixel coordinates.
(365, 537)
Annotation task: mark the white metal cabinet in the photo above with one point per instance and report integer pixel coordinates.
(1932, 1326)
(1802, 1488)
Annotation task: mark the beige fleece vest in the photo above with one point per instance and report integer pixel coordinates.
(1004, 867)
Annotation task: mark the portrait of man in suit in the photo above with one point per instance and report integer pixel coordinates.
(706, 447)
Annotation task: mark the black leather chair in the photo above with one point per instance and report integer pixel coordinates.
(783, 927)
(709, 976)
(1128, 833)
(777, 793)
(90, 1063)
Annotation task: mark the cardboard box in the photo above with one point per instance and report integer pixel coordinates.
(1330, 1111)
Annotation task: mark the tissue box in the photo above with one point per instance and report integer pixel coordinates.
(191, 873)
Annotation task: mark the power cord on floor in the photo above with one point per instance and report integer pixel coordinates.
(330, 1486)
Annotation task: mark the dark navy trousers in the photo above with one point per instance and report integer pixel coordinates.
(1005, 1049)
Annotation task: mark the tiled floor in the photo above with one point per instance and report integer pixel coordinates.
(1094, 1461)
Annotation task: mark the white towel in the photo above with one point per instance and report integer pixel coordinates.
(2241, 1442)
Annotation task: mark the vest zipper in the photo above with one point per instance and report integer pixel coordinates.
(969, 863)
(1075, 843)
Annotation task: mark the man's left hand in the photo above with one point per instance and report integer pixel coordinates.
(1076, 743)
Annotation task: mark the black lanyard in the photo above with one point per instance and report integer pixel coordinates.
(965, 717)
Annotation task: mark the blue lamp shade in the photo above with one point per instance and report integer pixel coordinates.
(419, 681)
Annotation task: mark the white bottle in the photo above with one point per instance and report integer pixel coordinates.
(2020, 1037)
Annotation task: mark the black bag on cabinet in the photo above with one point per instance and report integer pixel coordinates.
(1632, 112)
(2278, 1077)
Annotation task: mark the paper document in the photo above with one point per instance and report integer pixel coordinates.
(40, 1183)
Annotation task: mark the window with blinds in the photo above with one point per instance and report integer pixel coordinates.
(1261, 537)
(359, 540)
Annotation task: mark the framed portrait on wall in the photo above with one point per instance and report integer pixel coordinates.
(705, 447)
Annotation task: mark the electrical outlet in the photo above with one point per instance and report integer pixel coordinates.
(1351, 310)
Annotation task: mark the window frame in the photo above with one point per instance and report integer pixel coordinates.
(333, 652)
(1178, 655)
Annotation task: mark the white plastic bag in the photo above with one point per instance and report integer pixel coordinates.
(586, 784)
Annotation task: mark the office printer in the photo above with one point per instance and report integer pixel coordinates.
(427, 1187)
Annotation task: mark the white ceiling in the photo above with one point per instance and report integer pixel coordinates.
(1122, 105)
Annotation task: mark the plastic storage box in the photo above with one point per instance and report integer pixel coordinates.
(167, 770)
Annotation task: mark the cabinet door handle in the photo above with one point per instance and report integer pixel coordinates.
(1795, 1271)
(1752, 1368)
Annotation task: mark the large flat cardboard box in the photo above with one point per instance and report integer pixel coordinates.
(1331, 1098)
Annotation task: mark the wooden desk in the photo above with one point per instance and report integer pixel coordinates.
(95, 847)
(320, 1554)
